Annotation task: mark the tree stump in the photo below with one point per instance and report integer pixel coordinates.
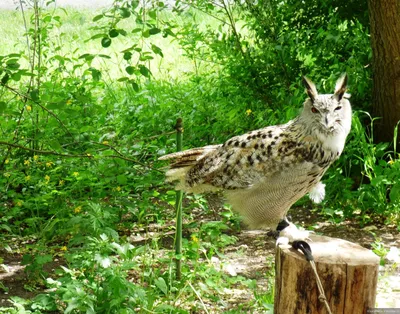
(348, 272)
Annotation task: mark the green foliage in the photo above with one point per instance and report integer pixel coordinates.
(86, 111)
(369, 173)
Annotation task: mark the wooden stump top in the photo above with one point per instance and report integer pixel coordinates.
(348, 272)
(335, 251)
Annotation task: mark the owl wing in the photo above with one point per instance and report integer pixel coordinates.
(244, 160)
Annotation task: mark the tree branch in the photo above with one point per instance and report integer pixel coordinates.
(40, 105)
(89, 156)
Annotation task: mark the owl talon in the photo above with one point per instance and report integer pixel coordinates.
(291, 234)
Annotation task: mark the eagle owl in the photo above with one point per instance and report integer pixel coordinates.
(264, 172)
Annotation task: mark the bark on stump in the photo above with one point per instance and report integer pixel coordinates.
(348, 272)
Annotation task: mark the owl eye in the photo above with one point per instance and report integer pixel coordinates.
(314, 110)
(338, 108)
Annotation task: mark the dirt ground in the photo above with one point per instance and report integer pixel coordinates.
(252, 257)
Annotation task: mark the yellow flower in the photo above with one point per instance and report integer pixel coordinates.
(47, 178)
(7, 161)
(391, 162)
(27, 178)
(49, 164)
(69, 101)
(88, 155)
(105, 142)
(61, 182)
(248, 112)
(63, 248)
(75, 174)
(19, 203)
(27, 162)
(7, 174)
(78, 209)
(35, 157)
(195, 239)
(28, 108)
(118, 188)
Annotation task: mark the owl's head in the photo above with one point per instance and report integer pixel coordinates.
(329, 114)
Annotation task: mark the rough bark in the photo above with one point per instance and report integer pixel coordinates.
(384, 18)
(348, 272)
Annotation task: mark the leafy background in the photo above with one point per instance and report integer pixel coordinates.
(88, 102)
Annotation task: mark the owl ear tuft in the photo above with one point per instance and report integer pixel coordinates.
(341, 87)
(311, 90)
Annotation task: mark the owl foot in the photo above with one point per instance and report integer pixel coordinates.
(289, 233)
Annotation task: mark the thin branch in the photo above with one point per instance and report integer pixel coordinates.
(121, 156)
(43, 152)
(26, 29)
(40, 105)
(233, 26)
(208, 13)
(89, 156)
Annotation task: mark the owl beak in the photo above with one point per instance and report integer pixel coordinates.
(329, 123)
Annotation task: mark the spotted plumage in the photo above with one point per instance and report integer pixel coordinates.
(263, 172)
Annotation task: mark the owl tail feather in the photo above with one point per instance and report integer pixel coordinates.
(182, 162)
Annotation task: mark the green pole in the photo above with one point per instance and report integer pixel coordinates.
(178, 206)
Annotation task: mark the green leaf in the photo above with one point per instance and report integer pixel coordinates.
(43, 259)
(395, 193)
(161, 284)
(135, 85)
(5, 78)
(13, 64)
(106, 42)
(154, 31)
(16, 76)
(34, 94)
(127, 55)
(7, 228)
(87, 57)
(157, 50)
(54, 144)
(146, 33)
(153, 14)
(130, 70)
(124, 12)
(55, 105)
(97, 36)
(3, 106)
(122, 32)
(26, 259)
(134, 4)
(98, 17)
(122, 179)
(168, 32)
(107, 152)
(144, 70)
(96, 74)
(113, 33)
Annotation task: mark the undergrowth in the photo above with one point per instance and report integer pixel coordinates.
(88, 107)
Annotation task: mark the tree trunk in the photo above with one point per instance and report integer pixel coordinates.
(384, 18)
(348, 273)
